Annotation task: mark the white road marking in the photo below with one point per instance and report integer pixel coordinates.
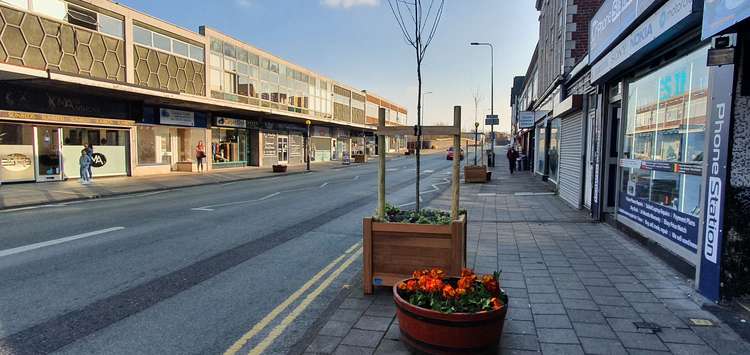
(28, 208)
(486, 194)
(428, 171)
(30, 247)
(269, 196)
(407, 204)
(356, 177)
(392, 169)
(323, 184)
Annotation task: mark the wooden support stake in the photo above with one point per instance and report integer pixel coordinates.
(381, 166)
(456, 161)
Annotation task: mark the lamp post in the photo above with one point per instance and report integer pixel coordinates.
(476, 141)
(492, 94)
(307, 144)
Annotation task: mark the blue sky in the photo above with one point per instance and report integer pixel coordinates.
(358, 42)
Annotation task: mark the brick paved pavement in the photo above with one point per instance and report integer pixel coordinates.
(575, 287)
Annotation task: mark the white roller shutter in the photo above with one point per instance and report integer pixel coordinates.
(571, 159)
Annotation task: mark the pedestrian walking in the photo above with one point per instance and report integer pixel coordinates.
(512, 156)
(200, 154)
(89, 148)
(85, 162)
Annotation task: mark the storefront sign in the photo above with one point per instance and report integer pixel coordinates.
(176, 117)
(63, 119)
(229, 122)
(98, 160)
(721, 82)
(69, 102)
(680, 228)
(611, 20)
(526, 119)
(16, 162)
(269, 144)
(595, 116)
(342, 133)
(666, 17)
(718, 15)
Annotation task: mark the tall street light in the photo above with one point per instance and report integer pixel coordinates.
(423, 111)
(492, 94)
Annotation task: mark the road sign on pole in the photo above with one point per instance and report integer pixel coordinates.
(492, 120)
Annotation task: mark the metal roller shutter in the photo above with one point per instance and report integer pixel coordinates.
(571, 159)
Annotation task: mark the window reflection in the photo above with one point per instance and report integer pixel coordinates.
(665, 128)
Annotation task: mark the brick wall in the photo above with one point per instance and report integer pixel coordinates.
(580, 17)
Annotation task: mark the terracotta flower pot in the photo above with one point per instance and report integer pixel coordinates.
(432, 332)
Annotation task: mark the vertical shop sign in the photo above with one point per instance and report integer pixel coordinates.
(721, 85)
(596, 153)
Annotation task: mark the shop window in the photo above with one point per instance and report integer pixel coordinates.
(665, 134)
(168, 44)
(228, 145)
(554, 149)
(154, 146)
(181, 48)
(540, 152)
(16, 134)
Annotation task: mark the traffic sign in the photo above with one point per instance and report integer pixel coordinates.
(492, 120)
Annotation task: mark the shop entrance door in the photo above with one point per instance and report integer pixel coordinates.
(47, 152)
(282, 149)
(334, 150)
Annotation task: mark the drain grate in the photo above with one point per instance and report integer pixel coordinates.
(647, 326)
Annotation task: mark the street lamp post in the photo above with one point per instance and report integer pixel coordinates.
(492, 95)
(476, 141)
(307, 144)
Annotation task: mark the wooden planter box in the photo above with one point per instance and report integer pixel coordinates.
(475, 173)
(359, 158)
(279, 168)
(392, 251)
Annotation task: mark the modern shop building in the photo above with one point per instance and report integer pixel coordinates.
(648, 132)
(144, 93)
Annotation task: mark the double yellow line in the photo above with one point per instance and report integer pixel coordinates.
(271, 316)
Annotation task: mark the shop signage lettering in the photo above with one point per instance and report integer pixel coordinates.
(230, 122)
(15, 162)
(611, 20)
(666, 17)
(98, 160)
(176, 117)
(666, 166)
(721, 82)
(676, 226)
(75, 120)
(718, 15)
(526, 119)
(318, 131)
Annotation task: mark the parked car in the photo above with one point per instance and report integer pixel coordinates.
(449, 156)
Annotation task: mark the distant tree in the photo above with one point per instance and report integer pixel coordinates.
(418, 28)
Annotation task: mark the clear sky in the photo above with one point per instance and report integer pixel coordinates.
(358, 42)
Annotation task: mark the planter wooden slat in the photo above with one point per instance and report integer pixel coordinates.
(392, 251)
(477, 173)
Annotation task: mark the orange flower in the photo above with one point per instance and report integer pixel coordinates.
(411, 285)
(460, 292)
(435, 285)
(491, 284)
(467, 281)
(467, 272)
(449, 292)
(496, 303)
(419, 273)
(422, 283)
(402, 286)
(437, 273)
